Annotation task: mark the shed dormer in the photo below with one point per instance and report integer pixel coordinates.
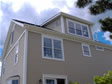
(69, 24)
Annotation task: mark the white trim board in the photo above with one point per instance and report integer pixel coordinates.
(25, 58)
(18, 23)
(62, 25)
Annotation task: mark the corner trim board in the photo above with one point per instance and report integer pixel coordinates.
(25, 58)
(62, 25)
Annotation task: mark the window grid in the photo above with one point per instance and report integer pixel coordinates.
(76, 29)
(86, 50)
(54, 49)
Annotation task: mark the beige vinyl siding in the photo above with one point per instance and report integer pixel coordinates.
(17, 32)
(76, 66)
(10, 68)
(52, 25)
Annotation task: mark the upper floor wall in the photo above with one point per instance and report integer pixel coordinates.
(71, 25)
(13, 63)
(43, 59)
(15, 32)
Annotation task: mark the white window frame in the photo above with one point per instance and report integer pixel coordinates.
(54, 77)
(15, 62)
(98, 48)
(52, 38)
(83, 44)
(16, 53)
(67, 20)
(13, 78)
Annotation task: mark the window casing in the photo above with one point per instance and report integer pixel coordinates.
(79, 29)
(16, 54)
(86, 50)
(54, 79)
(52, 48)
(14, 80)
(99, 48)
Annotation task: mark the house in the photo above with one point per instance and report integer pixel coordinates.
(59, 51)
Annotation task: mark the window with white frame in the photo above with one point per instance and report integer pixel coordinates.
(13, 81)
(52, 48)
(54, 79)
(86, 50)
(99, 48)
(78, 29)
(16, 54)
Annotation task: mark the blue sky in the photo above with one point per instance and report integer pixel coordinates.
(101, 38)
(1, 52)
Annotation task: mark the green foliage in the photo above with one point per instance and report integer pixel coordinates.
(105, 79)
(83, 3)
(98, 7)
(106, 24)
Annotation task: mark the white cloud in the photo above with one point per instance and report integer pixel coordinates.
(41, 5)
(70, 3)
(64, 9)
(106, 36)
(1, 14)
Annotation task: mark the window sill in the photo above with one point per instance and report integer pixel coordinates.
(53, 59)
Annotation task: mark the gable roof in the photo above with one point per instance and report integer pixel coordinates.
(42, 28)
(20, 23)
(68, 16)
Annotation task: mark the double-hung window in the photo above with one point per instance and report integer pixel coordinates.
(52, 48)
(79, 29)
(86, 50)
(71, 27)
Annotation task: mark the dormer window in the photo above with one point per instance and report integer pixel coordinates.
(77, 28)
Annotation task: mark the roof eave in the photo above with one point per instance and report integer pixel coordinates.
(8, 36)
(66, 15)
